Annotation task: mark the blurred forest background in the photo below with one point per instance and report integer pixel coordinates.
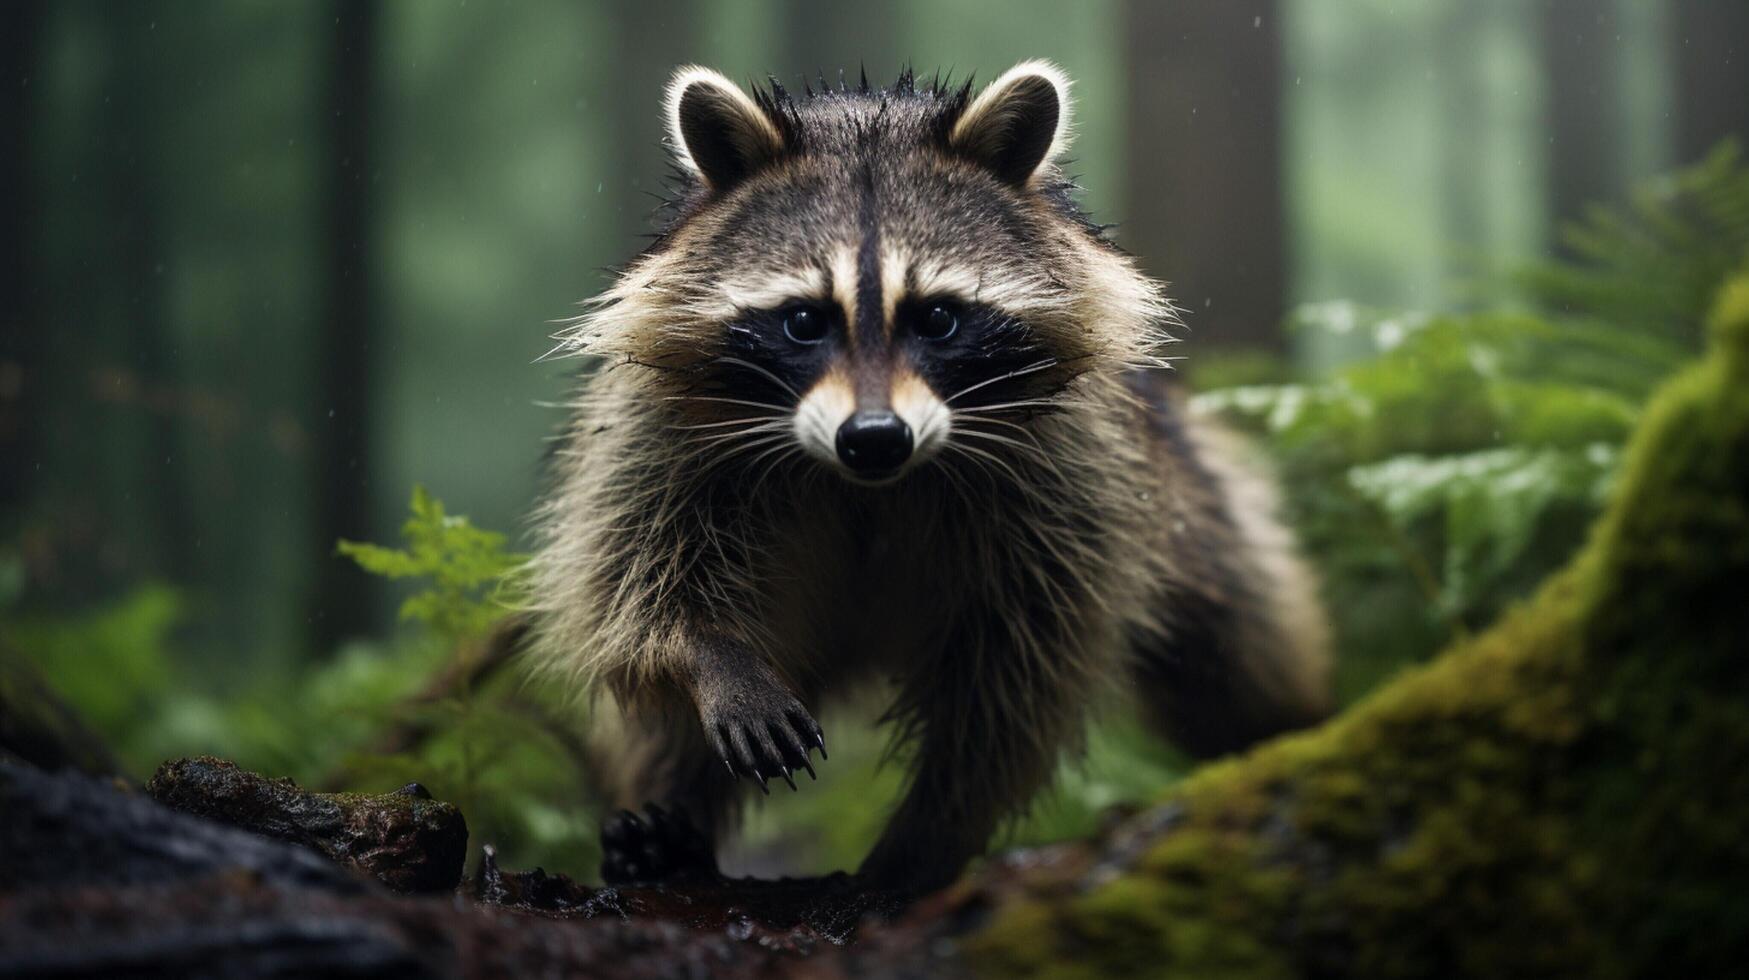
(269, 267)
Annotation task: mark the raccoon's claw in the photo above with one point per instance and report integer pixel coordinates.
(660, 846)
(768, 744)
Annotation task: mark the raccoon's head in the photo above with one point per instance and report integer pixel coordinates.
(874, 278)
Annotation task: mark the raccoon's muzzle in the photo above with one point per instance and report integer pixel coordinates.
(874, 443)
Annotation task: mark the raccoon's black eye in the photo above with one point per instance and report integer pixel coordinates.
(804, 325)
(939, 322)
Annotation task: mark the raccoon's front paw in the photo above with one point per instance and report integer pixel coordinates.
(660, 846)
(764, 735)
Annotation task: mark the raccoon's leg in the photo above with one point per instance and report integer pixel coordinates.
(1238, 650)
(987, 720)
(674, 797)
(753, 722)
(680, 754)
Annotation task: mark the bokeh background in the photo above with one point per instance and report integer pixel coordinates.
(269, 266)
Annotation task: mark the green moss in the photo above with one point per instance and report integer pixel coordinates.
(1559, 796)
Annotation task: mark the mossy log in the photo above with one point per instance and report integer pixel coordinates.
(1559, 796)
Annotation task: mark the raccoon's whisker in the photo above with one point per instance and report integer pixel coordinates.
(982, 468)
(968, 430)
(729, 422)
(774, 379)
(1004, 406)
(959, 484)
(783, 443)
(772, 407)
(776, 409)
(1033, 452)
(709, 456)
(1019, 481)
(570, 345)
(735, 442)
(711, 439)
(777, 449)
(1036, 366)
(792, 450)
(975, 419)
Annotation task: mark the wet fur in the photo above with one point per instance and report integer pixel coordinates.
(1112, 542)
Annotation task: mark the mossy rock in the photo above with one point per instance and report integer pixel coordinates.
(1559, 796)
(405, 839)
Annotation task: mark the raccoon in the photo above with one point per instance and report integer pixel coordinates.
(880, 403)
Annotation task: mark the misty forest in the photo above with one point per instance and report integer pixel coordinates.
(278, 279)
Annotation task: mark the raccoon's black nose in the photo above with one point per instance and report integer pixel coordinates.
(874, 443)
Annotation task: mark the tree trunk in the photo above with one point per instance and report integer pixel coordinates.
(1711, 61)
(1204, 131)
(343, 604)
(146, 335)
(20, 335)
(1581, 49)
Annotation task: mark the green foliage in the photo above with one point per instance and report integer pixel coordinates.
(116, 664)
(121, 666)
(1454, 461)
(1486, 508)
(1440, 477)
(467, 568)
(1655, 265)
(503, 750)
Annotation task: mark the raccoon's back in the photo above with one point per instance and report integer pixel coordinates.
(1237, 645)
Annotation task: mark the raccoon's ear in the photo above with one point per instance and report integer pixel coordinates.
(717, 130)
(1018, 123)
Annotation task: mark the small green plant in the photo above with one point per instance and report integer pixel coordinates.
(501, 746)
(471, 576)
